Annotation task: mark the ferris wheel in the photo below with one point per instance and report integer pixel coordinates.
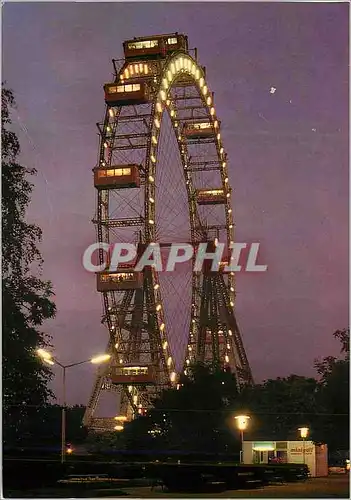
(162, 177)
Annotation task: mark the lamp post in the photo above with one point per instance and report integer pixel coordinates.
(303, 434)
(50, 360)
(242, 421)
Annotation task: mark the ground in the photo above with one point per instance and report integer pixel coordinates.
(327, 487)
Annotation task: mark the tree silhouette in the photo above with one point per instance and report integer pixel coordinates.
(26, 298)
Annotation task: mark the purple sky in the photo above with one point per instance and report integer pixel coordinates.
(288, 156)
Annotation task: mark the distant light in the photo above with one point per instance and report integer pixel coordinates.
(272, 90)
(304, 432)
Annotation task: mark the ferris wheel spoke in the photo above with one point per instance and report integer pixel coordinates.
(130, 203)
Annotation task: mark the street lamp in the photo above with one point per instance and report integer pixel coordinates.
(303, 434)
(120, 422)
(49, 359)
(242, 421)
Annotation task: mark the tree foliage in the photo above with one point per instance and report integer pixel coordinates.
(278, 407)
(334, 395)
(26, 297)
(198, 418)
(191, 421)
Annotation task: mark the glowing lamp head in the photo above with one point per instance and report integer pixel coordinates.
(44, 354)
(100, 359)
(304, 432)
(242, 421)
(49, 361)
(121, 418)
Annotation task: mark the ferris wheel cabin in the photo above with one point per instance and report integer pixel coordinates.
(117, 177)
(201, 130)
(133, 375)
(126, 94)
(154, 46)
(122, 279)
(210, 196)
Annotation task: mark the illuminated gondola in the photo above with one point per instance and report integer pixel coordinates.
(133, 375)
(117, 177)
(154, 46)
(126, 94)
(126, 279)
(211, 196)
(200, 130)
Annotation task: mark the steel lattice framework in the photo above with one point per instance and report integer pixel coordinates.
(145, 324)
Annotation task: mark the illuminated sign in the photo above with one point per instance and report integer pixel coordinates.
(299, 450)
(264, 446)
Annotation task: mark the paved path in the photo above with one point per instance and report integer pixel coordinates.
(326, 487)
